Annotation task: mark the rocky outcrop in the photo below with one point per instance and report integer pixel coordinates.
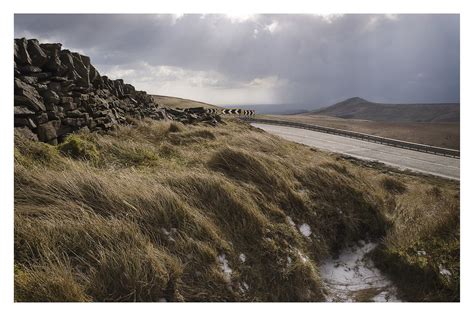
(58, 92)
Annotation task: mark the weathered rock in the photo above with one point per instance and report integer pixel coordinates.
(65, 130)
(82, 68)
(41, 75)
(37, 55)
(58, 79)
(69, 106)
(29, 70)
(80, 89)
(29, 79)
(75, 122)
(77, 67)
(93, 74)
(21, 110)
(51, 48)
(42, 118)
(50, 97)
(26, 94)
(24, 121)
(22, 57)
(54, 64)
(26, 133)
(199, 110)
(52, 107)
(178, 112)
(100, 113)
(55, 86)
(47, 131)
(40, 87)
(74, 113)
(67, 100)
(128, 89)
(66, 59)
(53, 115)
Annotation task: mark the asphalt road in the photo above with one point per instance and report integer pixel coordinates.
(445, 167)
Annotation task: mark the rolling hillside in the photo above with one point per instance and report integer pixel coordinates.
(161, 211)
(175, 102)
(358, 108)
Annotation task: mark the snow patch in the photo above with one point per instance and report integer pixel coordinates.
(302, 256)
(242, 257)
(305, 230)
(445, 272)
(290, 220)
(421, 253)
(225, 267)
(169, 234)
(243, 287)
(353, 272)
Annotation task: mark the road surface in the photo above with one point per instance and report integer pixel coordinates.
(445, 167)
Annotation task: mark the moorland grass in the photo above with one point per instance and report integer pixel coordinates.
(153, 210)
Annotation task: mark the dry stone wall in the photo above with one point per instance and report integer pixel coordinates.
(58, 92)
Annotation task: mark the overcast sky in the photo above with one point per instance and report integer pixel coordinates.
(314, 60)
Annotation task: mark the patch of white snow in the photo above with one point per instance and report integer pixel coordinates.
(225, 267)
(352, 272)
(290, 220)
(305, 230)
(445, 272)
(303, 257)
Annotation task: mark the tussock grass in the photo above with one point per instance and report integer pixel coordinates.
(79, 148)
(393, 185)
(52, 282)
(160, 211)
(28, 153)
(422, 248)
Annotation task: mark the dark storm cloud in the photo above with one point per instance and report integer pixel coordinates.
(291, 58)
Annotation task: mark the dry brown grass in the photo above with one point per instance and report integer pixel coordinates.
(180, 103)
(422, 247)
(149, 211)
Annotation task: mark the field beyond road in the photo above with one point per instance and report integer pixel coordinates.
(445, 135)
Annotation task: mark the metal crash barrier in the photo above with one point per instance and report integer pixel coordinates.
(366, 137)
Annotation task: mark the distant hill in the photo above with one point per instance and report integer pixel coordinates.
(358, 108)
(175, 102)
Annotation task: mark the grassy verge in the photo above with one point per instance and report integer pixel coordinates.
(422, 248)
(160, 211)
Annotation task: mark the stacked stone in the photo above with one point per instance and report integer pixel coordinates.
(58, 92)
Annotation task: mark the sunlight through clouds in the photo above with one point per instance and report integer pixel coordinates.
(316, 58)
